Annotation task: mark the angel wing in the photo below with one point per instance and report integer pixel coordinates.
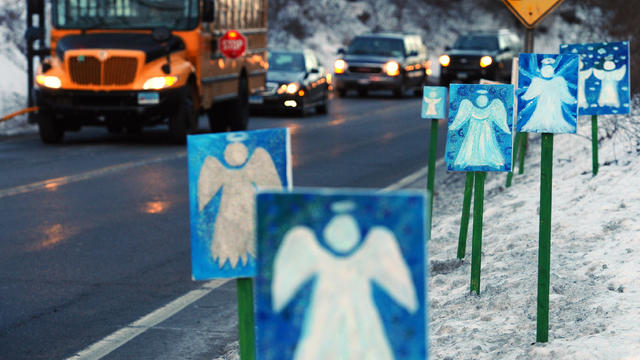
(585, 74)
(599, 74)
(562, 90)
(534, 90)
(211, 178)
(618, 73)
(499, 115)
(262, 171)
(297, 260)
(381, 257)
(464, 112)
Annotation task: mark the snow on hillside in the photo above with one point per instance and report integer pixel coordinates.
(13, 64)
(595, 282)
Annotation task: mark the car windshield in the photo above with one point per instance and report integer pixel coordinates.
(286, 61)
(376, 46)
(125, 14)
(476, 42)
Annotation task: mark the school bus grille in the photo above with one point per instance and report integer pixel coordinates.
(88, 70)
(120, 70)
(85, 70)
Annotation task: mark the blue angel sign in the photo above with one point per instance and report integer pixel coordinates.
(480, 136)
(603, 80)
(341, 275)
(225, 170)
(434, 102)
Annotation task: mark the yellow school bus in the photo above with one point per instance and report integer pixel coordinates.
(129, 64)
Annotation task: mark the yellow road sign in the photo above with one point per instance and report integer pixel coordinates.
(531, 12)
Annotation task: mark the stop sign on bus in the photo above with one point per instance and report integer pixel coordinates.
(233, 44)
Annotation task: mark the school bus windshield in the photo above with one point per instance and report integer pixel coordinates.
(125, 14)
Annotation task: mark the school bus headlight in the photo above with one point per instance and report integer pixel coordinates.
(445, 60)
(160, 82)
(339, 66)
(52, 82)
(391, 68)
(486, 61)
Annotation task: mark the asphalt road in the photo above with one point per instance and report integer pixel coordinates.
(94, 233)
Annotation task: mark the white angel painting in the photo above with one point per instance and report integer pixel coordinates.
(433, 102)
(342, 320)
(610, 77)
(603, 81)
(583, 75)
(480, 146)
(237, 179)
(549, 105)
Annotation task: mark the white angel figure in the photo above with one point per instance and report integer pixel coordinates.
(583, 75)
(480, 146)
(431, 102)
(552, 93)
(341, 320)
(610, 76)
(234, 227)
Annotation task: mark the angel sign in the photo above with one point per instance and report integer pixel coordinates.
(434, 102)
(480, 136)
(547, 91)
(342, 277)
(225, 171)
(603, 86)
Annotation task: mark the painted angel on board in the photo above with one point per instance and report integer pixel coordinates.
(551, 93)
(234, 227)
(342, 321)
(610, 77)
(583, 75)
(480, 146)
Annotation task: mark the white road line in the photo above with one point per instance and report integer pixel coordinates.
(124, 335)
(54, 183)
(110, 343)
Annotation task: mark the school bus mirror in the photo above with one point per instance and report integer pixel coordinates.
(208, 11)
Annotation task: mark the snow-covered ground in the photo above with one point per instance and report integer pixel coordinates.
(595, 262)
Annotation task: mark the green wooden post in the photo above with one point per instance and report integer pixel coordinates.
(431, 175)
(464, 222)
(524, 144)
(544, 251)
(245, 319)
(476, 250)
(594, 143)
(516, 147)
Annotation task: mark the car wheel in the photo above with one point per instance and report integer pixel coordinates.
(184, 120)
(363, 92)
(324, 107)
(300, 110)
(115, 129)
(341, 92)
(239, 108)
(218, 122)
(50, 129)
(400, 90)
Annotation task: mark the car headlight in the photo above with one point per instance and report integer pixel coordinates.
(486, 61)
(339, 66)
(159, 82)
(292, 88)
(445, 60)
(52, 82)
(391, 68)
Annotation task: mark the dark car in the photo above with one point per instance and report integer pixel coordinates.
(389, 61)
(295, 83)
(480, 55)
